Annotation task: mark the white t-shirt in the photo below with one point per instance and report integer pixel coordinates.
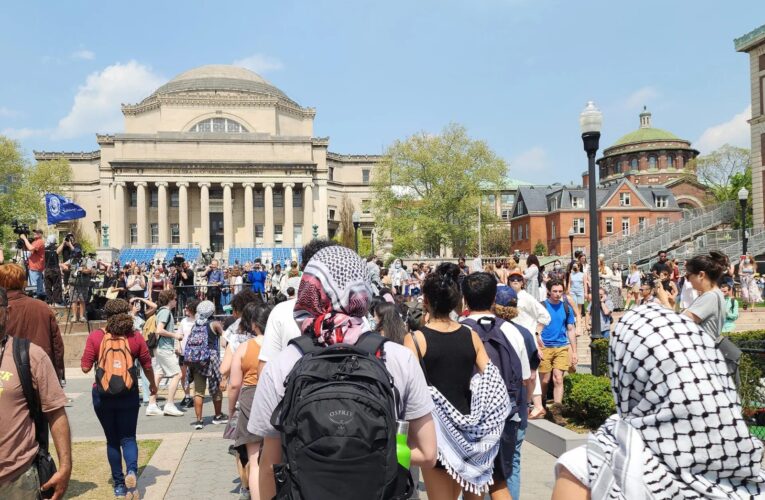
(531, 312)
(185, 326)
(477, 265)
(687, 295)
(280, 329)
(576, 462)
(516, 341)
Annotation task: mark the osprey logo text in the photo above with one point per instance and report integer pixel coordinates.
(341, 418)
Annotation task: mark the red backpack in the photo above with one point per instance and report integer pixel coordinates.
(115, 371)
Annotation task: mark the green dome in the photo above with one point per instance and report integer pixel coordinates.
(646, 134)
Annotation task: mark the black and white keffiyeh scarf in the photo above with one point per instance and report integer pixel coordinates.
(468, 444)
(678, 432)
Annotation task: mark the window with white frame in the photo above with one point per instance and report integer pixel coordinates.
(552, 229)
(579, 227)
(259, 199)
(507, 199)
(577, 202)
(662, 201)
(278, 233)
(154, 234)
(662, 220)
(133, 233)
(224, 125)
(528, 234)
(553, 204)
(365, 176)
(521, 207)
(331, 213)
(507, 214)
(609, 225)
(174, 198)
(175, 233)
(642, 223)
(625, 200)
(297, 198)
(625, 226)
(258, 234)
(278, 198)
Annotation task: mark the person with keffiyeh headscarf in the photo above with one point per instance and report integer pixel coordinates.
(678, 431)
(332, 302)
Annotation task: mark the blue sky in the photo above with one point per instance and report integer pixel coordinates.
(516, 73)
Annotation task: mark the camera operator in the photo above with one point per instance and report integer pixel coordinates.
(86, 271)
(182, 280)
(214, 283)
(36, 261)
(52, 274)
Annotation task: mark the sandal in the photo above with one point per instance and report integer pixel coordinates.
(537, 416)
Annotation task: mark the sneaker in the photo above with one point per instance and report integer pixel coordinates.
(220, 419)
(120, 491)
(244, 493)
(199, 425)
(172, 410)
(187, 402)
(153, 410)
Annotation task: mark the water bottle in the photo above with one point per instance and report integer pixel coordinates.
(403, 453)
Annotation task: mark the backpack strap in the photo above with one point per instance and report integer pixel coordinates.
(305, 344)
(370, 343)
(24, 368)
(419, 357)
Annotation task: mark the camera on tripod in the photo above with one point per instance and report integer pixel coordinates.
(178, 260)
(19, 229)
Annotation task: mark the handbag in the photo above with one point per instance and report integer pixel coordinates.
(44, 463)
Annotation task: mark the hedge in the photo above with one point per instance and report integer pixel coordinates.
(588, 399)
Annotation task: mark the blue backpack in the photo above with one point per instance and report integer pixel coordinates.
(197, 348)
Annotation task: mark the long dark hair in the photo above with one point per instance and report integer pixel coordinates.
(254, 312)
(714, 265)
(441, 290)
(391, 325)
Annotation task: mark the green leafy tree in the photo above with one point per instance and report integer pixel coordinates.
(540, 248)
(428, 191)
(23, 186)
(497, 242)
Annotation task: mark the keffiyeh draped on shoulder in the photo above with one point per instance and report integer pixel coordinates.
(678, 432)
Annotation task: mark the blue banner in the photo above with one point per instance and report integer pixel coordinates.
(61, 209)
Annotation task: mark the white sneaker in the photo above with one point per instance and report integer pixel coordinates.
(172, 410)
(153, 410)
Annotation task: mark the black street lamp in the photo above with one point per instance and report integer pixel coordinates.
(590, 121)
(743, 196)
(571, 242)
(356, 223)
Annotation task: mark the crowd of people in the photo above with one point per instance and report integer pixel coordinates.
(327, 362)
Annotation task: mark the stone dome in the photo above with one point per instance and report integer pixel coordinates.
(221, 77)
(645, 135)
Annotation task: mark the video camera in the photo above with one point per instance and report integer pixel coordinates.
(20, 229)
(69, 237)
(178, 260)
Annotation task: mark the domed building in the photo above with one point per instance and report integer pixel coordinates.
(650, 156)
(217, 158)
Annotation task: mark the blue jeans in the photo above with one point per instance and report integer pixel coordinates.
(514, 481)
(36, 280)
(119, 417)
(144, 382)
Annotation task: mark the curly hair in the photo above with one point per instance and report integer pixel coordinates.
(116, 306)
(505, 312)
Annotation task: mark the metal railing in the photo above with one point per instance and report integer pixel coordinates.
(647, 242)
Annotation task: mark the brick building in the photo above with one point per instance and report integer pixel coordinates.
(548, 213)
(753, 43)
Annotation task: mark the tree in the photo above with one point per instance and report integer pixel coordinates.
(428, 191)
(719, 168)
(497, 242)
(540, 248)
(23, 186)
(345, 233)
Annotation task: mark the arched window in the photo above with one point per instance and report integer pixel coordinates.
(634, 164)
(652, 162)
(224, 125)
(670, 162)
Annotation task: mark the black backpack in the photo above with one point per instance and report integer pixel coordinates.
(338, 425)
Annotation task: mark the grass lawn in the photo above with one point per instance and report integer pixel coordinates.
(91, 476)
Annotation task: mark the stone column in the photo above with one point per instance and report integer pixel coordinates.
(249, 214)
(183, 213)
(307, 212)
(228, 216)
(288, 238)
(321, 208)
(120, 215)
(142, 214)
(204, 200)
(268, 229)
(163, 219)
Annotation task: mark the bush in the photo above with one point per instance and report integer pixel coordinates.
(599, 352)
(752, 369)
(588, 399)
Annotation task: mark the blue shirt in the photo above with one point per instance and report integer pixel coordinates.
(555, 334)
(215, 276)
(258, 280)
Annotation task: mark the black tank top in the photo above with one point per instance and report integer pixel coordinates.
(449, 361)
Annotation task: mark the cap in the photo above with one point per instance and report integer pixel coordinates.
(38, 231)
(515, 272)
(505, 295)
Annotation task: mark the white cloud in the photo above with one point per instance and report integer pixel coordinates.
(735, 132)
(260, 63)
(7, 113)
(97, 103)
(22, 133)
(531, 160)
(84, 54)
(641, 97)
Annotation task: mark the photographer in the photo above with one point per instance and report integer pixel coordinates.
(85, 270)
(182, 279)
(36, 261)
(52, 274)
(214, 282)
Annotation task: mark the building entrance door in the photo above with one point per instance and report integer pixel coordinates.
(216, 232)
